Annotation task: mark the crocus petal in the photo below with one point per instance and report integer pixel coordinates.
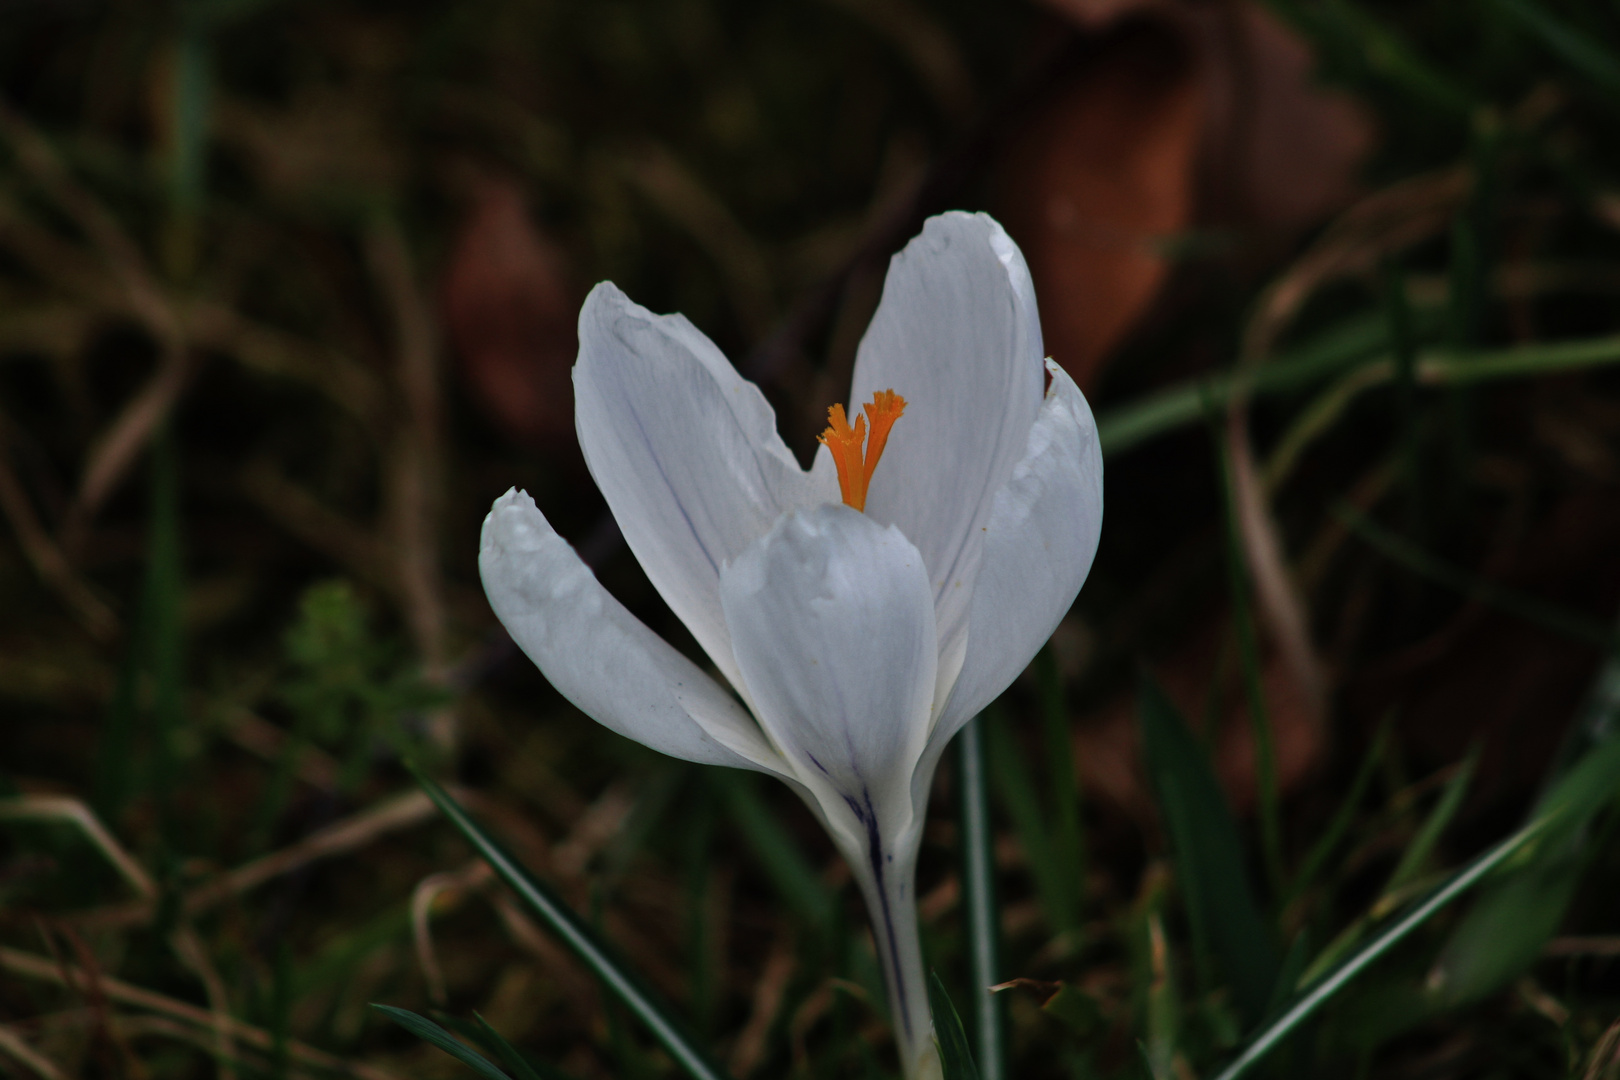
(685, 451)
(599, 656)
(832, 623)
(958, 336)
(1039, 543)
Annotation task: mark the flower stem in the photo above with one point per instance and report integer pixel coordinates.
(887, 876)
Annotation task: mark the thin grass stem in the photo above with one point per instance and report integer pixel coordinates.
(1068, 849)
(1128, 426)
(980, 912)
(1560, 620)
(1265, 761)
(1330, 839)
(660, 1020)
(1324, 991)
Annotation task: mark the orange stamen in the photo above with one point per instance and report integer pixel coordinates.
(855, 466)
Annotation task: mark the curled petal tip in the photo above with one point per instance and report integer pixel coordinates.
(604, 292)
(514, 524)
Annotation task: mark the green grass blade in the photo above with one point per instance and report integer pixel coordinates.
(1316, 859)
(703, 944)
(521, 1069)
(659, 1018)
(1596, 722)
(281, 1003)
(1068, 850)
(1163, 1000)
(1265, 758)
(1451, 368)
(1391, 56)
(1297, 955)
(1577, 49)
(115, 750)
(1016, 790)
(1470, 251)
(981, 916)
(1422, 846)
(651, 807)
(192, 88)
(629, 1061)
(953, 1045)
(779, 854)
(1402, 340)
(1323, 991)
(1076, 1010)
(1404, 344)
(428, 1031)
(1209, 858)
(1127, 426)
(1591, 784)
(162, 603)
(1317, 419)
(1403, 552)
(1505, 929)
(513, 1058)
(338, 958)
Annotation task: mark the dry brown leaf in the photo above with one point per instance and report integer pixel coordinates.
(1096, 14)
(509, 309)
(1094, 180)
(1179, 116)
(1281, 151)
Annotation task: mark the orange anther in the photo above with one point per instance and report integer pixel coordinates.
(855, 465)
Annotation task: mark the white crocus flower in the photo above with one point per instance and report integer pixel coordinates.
(862, 611)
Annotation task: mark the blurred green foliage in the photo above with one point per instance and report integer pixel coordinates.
(243, 458)
(346, 691)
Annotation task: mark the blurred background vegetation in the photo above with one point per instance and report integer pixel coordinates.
(287, 297)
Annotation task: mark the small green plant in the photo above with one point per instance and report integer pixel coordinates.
(348, 690)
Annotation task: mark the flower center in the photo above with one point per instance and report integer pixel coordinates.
(855, 465)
